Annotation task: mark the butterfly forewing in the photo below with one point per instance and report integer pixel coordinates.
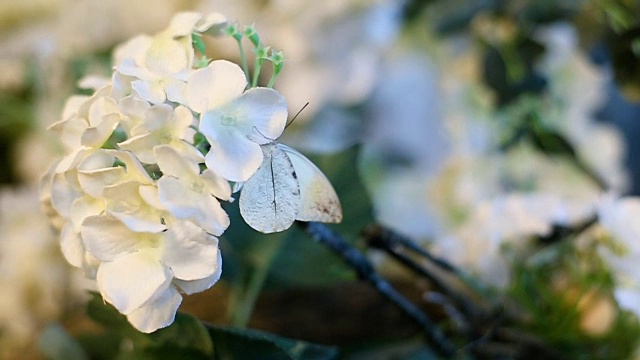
(270, 199)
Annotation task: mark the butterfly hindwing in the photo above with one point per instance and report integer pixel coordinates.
(318, 199)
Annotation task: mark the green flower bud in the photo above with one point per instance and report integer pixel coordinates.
(197, 42)
(252, 35)
(232, 30)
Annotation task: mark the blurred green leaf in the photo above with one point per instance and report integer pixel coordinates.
(246, 344)
(56, 344)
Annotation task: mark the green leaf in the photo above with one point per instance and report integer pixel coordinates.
(233, 343)
(186, 332)
(105, 314)
(186, 335)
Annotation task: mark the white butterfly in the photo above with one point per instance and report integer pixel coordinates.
(287, 187)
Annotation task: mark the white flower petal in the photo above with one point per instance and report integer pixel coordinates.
(157, 313)
(70, 131)
(213, 24)
(194, 286)
(93, 182)
(184, 203)
(217, 84)
(135, 170)
(167, 56)
(71, 245)
(72, 105)
(84, 207)
(158, 116)
(172, 164)
(233, 156)
(142, 146)
(261, 114)
(63, 194)
(189, 251)
(149, 194)
(107, 238)
(182, 24)
(134, 50)
(216, 185)
(127, 205)
(132, 279)
(152, 91)
(182, 119)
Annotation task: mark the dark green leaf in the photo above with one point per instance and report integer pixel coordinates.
(246, 344)
(185, 334)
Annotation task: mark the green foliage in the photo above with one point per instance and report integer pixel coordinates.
(119, 340)
(246, 344)
(552, 288)
(17, 117)
(186, 338)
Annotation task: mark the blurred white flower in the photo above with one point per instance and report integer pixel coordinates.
(334, 50)
(36, 285)
(577, 89)
(619, 217)
(440, 143)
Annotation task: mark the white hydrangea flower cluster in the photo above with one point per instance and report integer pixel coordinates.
(147, 159)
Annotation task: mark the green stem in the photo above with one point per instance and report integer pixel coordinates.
(244, 309)
(272, 81)
(243, 60)
(256, 72)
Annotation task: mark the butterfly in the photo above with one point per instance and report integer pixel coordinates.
(287, 187)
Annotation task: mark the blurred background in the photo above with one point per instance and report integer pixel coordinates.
(475, 128)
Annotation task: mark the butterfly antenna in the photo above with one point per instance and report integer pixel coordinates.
(298, 113)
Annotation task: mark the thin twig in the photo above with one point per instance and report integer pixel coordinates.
(359, 262)
(396, 245)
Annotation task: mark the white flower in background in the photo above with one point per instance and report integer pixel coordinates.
(506, 220)
(619, 216)
(234, 121)
(37, 286)
(468, 198)
(578, 88)
(335, 45)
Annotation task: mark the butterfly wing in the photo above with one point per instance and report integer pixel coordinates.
(270, 199)
(318, 199)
